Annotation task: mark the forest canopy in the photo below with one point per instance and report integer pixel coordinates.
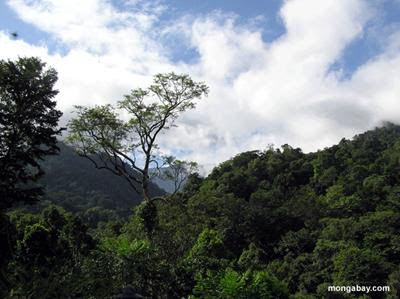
(273, 223)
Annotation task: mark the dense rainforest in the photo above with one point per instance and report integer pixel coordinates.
(72, 183)
(276, 223)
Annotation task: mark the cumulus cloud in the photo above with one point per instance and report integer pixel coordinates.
(283, 91)
(108, 52)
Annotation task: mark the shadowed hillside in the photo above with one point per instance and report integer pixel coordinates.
(75, 184)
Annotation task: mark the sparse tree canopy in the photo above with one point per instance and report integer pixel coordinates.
(129, 148)
(28, 127)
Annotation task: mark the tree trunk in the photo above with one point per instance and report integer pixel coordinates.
(145, 187)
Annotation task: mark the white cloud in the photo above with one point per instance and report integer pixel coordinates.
(109, 51)
(261, 93)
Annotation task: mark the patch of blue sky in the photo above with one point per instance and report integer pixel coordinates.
(265, 15)
(245, 10)
(357, 53)
(181, 152)
(372, 41)
(10, 23)
(391, 12)
(261, 15)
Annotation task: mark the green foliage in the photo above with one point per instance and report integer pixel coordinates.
(359, 266)
(265, 224)
(138, 264)
(28, 127)
(231, 284)
(72, 183)
(7, 247)
(394, 283)
(251, 258)
(48, 254)
(116, 145)
(146, 213)
(207, 254)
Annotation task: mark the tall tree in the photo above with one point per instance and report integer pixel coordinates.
(129, 148)
(28, 127)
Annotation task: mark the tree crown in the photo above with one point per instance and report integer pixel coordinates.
(111, 143)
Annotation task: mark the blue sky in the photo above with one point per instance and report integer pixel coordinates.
(303, 72)
(264, 14)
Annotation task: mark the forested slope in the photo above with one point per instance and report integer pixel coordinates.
(277, 223)
(73, 183)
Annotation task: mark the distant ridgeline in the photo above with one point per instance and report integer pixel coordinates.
(75, 184)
